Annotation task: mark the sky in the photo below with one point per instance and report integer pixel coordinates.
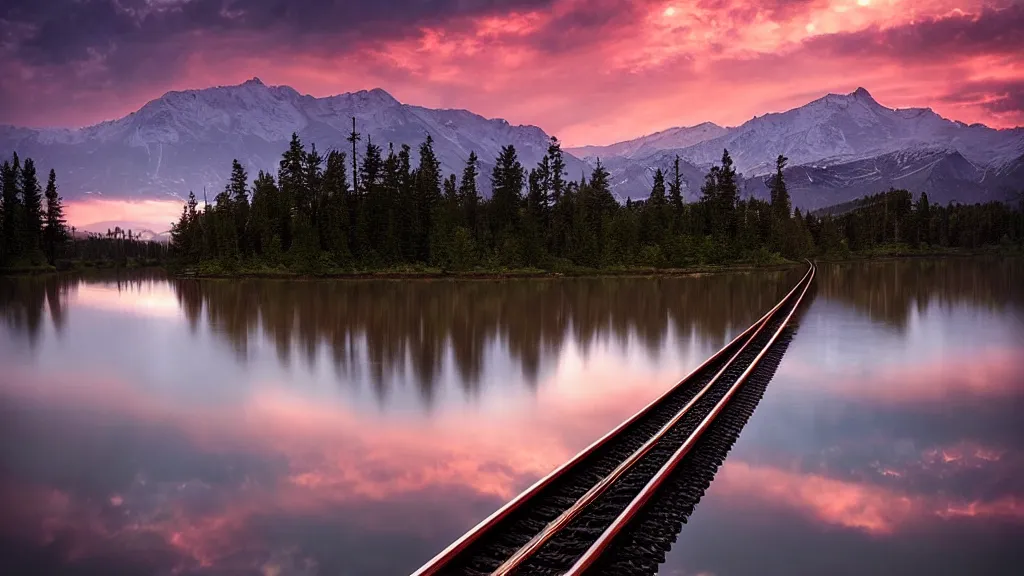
(588, 71)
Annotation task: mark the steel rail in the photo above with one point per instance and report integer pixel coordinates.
(442, 559)
(569, 514)
(587, 560)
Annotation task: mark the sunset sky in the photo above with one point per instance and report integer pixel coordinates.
(589, 71)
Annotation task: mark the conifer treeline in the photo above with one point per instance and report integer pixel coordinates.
(29, 230)
(395, 213)
(33, 233)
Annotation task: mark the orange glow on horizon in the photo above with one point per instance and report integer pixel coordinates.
(156, 215)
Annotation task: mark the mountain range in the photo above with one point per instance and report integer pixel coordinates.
(840, 146)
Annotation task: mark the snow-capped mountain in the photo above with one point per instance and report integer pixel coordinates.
(840, 146)
(671, 139)
(186, 140)
(840, 128)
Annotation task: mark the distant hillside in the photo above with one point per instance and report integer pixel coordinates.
(186, 140)
(840, 146)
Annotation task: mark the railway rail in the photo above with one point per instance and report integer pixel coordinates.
(566, 521)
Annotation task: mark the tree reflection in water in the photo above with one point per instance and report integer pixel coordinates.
(383, 331)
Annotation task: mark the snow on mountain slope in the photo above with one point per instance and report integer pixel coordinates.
(945, 174)
(839, 146)
(867, 146)
(837, 129)
(671, 139)
(186, 140)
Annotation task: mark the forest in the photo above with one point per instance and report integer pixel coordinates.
(34, 235)
(372, 210)
(377, 211)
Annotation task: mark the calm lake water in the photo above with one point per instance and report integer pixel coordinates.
(156, 426)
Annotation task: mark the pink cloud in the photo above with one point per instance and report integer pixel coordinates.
(597, 72)
(862, 506)
(331, 464)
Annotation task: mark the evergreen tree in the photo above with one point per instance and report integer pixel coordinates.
(264, 221)
(557, 171)
(354, 138)
(11, 201)
(781, 210)
(428, 195)
(675, 190)
(407, 210)
(507, 180)
(373, 207)
(239, 190)
(290, 179)
(32, 202)
(223, 225)
(657, 209)
(728, 195)
(924, 219)
(561, 210)
(390, 249)
(55, 233)
(469, 198)
(334, 223)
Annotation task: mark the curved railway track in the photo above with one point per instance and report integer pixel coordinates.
(565, 522)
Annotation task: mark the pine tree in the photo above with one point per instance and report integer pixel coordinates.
(924, 219)
(557, 171)
(223, 225)
(390, 194)
(290, 181)
(55, 233)
(335, 218)
(780, 236)
(239, 189)
(406, 217)
(507, 181)
(32, 199)
(428, 195)
(264, 218)
(11, 201)
(657, 211)
(372, 219)
(675, 193)
(312, 175)
(469, 198)
(354, 138)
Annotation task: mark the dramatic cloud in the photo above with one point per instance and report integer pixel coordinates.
(589, 71)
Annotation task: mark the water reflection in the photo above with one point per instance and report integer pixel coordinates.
(385, 332)
(420, 322)
(892, 291)
(151, 426)
(890, 441)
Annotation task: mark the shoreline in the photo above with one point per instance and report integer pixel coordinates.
(489, 274)
(191, 272)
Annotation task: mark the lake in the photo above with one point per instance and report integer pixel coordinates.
(157, 426)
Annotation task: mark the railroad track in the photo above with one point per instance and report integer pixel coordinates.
(569, 519)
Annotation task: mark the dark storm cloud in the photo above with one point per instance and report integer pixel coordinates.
(66, 31)
(998, 96)
(992, 31)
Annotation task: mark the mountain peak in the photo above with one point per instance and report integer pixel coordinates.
(254, 81)
(862, 93)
